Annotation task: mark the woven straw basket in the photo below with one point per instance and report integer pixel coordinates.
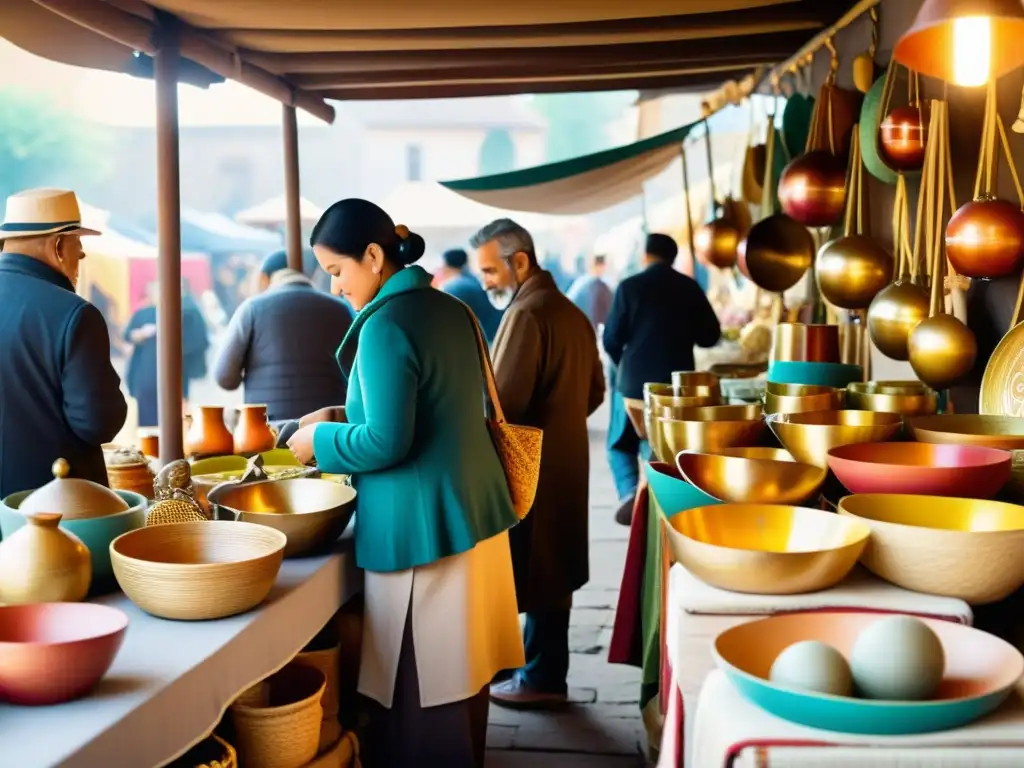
(326, 660)
(344, 754)
(277, 721)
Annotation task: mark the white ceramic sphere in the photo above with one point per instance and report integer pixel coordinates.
(898, 658)
(813, 666)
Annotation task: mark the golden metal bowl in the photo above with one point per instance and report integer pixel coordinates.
(1006, 432)
(312, 513)
(905, 398)
(803, 398)
(751, 475)
(695, 382)
(668, 406)
(766, 549)
(697, 389)
(810, 436)
(635, 412)
(964, 548)
(711, 428)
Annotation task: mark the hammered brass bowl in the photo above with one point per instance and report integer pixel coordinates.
(810, 436)
(907, 398)
(751, 475)
(766, 549)
(964, 548)
(312, 513)
(711, 428)
(800, 398)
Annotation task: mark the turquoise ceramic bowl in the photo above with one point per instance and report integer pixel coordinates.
(673, 494)
(96, 533)
(820, 374)
(981, 671)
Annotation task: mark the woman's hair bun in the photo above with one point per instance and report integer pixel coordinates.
(410, 247)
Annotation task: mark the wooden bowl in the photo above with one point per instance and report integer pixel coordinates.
(198, 571)
(964, 548)
(766, 549)
(55, 652)
(810, 436)
(981, 671)
(970, 471)
(751, 475)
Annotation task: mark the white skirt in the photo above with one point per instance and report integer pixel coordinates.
(465, 625)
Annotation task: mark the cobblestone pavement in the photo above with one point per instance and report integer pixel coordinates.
(602, 728)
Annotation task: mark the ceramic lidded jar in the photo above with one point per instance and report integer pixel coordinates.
(128, 470)
(73, 498)
(253, 434)
(208, 435)
(43, 563)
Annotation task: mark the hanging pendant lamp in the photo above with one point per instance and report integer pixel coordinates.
(964, 42)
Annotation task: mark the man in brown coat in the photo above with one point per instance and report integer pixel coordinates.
(549, 375)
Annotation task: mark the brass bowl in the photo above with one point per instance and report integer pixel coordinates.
(906, 398)
(801, 398)
(697, 389)
(695, 382)
(751, 475)
(766, 549)
(810, 436)
(206, 482)
(635, 412)
(711, 428)
(312, 513)
(668, 406)
(964, 548)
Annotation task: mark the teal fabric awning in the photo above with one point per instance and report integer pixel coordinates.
(579, 185)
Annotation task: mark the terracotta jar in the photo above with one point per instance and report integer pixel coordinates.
(253, 434)
(43, 563)
(128, 470)
(208, 435)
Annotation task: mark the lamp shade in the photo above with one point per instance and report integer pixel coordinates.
(949, 40)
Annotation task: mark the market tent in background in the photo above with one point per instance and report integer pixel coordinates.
(272, 213)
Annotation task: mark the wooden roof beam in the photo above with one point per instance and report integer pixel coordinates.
(137, 33)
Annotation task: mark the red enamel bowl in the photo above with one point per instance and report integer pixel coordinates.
(924, 469)
(55, 652)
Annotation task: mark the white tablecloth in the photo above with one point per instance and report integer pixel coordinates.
(728, 726)
(172, 680)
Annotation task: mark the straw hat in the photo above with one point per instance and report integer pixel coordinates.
(40, 212)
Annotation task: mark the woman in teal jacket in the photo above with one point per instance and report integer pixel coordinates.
(433, 503)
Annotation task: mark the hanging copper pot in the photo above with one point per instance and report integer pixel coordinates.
(894, 313)
(852, 270)
(812, 190)
(779, 251)
(901, 137)
(716, 243)
(985, 238)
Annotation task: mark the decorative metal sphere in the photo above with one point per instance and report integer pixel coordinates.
(852, 270)
(942, 350)
(985, 238)
(779, 251)
(716, 243)
(901, 137)
(894, 313)
(812, 190)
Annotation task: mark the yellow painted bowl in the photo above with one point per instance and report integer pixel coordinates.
(810, 436)
(766, 549)
(965, 548)
(907, 398)
(711, 428)
(801, 398)
(752, 475)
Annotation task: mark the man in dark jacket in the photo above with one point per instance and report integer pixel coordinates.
(657, 317)
(548, 374)
(456, 280)
(60, 397)
(282, 344)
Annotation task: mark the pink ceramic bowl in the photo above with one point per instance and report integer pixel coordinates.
(54, 652)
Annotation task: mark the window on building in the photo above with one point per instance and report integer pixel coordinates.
(414, 162)
(497, 153)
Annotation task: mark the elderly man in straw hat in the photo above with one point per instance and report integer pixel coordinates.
(60, 397)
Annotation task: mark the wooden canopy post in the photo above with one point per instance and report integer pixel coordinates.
(293, 214)
(168, 312)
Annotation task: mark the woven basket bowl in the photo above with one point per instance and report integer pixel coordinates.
(964, 548)
(198, 571)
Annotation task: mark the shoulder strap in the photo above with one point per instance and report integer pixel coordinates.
(485, 365)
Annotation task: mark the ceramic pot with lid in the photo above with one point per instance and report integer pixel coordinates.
(73, 498)
(42, 563)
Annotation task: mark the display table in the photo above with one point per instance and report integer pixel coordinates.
(172, 680)
(697, 613)
(731, 732)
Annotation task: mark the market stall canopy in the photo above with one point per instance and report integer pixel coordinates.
(274, 213)
(210, 233)
(581, 184)
(304, 51)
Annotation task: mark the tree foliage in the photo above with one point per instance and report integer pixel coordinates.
(43, 145)
(578, 122)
